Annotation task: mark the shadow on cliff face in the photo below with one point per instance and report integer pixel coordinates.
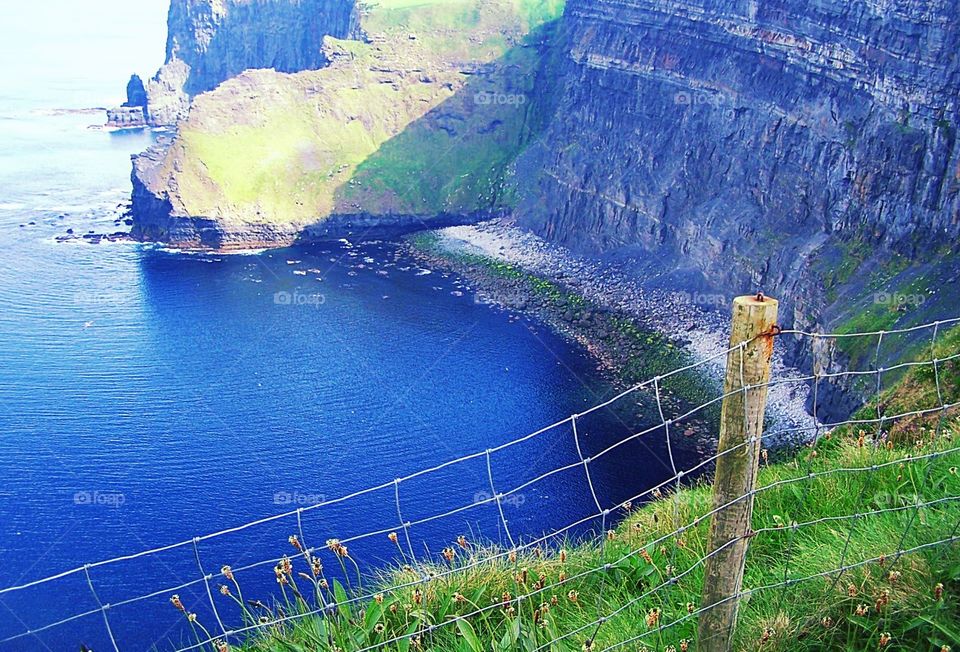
(454, 165)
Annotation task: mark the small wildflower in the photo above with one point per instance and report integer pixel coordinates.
(316, 567)
(627, 506)
(681, 543)
(637, 527)
(883, 600)
(449, 554)
(459, 598)
(227, 572)
(510, 610)
(224, 590)
(379, 628)
(663, 551)
(861, 439)
(505, 597)
(851, 590)
(393, 537)
(944, 648)
(562, 577)
(263, 620)
(221, 646)
(175, 601)
(684, 645)
(894, 576)
(563, 556)
(953, 470)
(295, 542)
(287, 566)
(611, 535)
(766, 636)
(669, 570)
(588, 645)
(573, 596)
(882, 560)
(192, 617)
(765, 455)
(885, 639)
(416, 642)
(653, 617)
(691, 607)
(462, 542)
(512, 556)
(862, 610)
(657, 494)
(417, 597)
(554, 600)
(393, 608)
(827, 622)
(378, 598)
(938, 591)
(324, 584)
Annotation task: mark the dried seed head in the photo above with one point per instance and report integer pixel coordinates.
(221, 646)
(192, 617)
(885, 639)
(316, 567)
(627, 506)
(851, 590)
(646, 556)
(938, 591)
(378, 598)
(826, 622)
(417, 597)
(883, 600)
(512, 556)
(691, 607)
(611, 535)
(393, 608)
(573, 596)
(393, 537)
(684, 645)
(224, 590)
(653, 617)
(379, 628)
(459, 598)
(862, 610)
(449, 554)
(588, 645)
(462, 542)
(227, 572)
(175, 601)
(562, 576)
(894, 576)
(563, 556)
(295, 542)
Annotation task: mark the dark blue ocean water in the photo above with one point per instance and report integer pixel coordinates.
(148, 397)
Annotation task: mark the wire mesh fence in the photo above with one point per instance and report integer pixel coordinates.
(625, 575)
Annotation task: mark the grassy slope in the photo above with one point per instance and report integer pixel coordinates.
(899, 596)
(292, 149)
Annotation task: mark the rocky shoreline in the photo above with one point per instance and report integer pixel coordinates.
(620, 323)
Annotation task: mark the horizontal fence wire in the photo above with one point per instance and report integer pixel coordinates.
(426, 572)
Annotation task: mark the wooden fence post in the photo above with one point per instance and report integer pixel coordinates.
(741, 427)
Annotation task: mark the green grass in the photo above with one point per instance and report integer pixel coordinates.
(811, 615)
(653, 576)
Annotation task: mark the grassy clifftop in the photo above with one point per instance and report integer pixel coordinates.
(903, 489)
(421, 120)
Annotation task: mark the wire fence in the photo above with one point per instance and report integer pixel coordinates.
(319, 596)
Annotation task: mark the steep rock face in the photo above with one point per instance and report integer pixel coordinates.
(806, 148)
(210, 41)
(415, 127)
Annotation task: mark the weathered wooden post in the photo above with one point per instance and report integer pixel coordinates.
(741, 427)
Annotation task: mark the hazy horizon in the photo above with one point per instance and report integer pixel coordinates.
(65, 54)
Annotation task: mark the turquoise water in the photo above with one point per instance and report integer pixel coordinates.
(148, 397)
